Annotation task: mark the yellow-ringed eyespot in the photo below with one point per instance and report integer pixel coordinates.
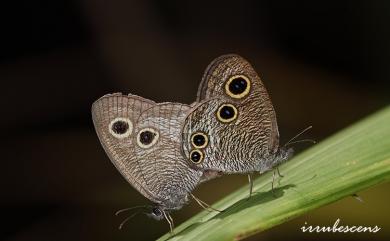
(237, 86)
(120, 127)
(147, 137)
(196, 156)
(227, 113)
(199, 140)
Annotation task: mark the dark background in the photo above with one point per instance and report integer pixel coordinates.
(324, 63)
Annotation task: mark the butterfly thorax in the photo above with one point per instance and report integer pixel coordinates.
(174, 202)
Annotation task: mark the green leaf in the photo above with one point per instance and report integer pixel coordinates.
(354, 159)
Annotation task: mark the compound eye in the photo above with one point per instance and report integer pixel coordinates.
(227, 113)
(157, 212)
(196, 156)
(238, 86)
(199, 140)
(120, 127)
(147, 137)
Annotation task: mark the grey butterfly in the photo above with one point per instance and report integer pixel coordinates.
(233, 127)
(143, 140)
(165, 150)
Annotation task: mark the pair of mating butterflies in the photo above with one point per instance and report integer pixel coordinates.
(164, 150)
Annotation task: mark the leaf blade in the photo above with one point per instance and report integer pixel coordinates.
(345, 163)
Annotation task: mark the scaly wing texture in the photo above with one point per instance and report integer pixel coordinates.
(242, 144)
(167, 174)
(121, 150)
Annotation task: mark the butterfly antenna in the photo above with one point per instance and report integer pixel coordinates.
(127, 219)
(128, 209)
(300, 141)
(204, 204)
(297, 135)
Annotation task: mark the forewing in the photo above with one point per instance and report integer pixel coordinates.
(120, 147)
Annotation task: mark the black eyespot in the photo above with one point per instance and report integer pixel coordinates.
(120, 127)
(157, 212)
(238, 85)
(227, 113)
(146, 137)
(196, 156)
(199, 140)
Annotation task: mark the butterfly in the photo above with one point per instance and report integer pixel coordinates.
(165, 150)
(143, 140)
(233, 127)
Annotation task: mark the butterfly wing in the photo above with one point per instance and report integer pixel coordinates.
(142, 139)
(235, 114)
(158, 150)
(114, 117)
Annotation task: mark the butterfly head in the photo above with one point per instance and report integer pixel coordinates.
(156, 213)
(283, 154)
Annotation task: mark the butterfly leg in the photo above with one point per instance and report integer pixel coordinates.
(273, 181)
(280, 175)
(276, 170)
(203, 204)
(169, 219)
(357, 197)
(250, 184)
(272, 184)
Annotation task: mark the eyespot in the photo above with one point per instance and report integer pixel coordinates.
(227, 113)
(196, 156)
(238, 86)
(199, 140)
(120, 127)
(147, 137)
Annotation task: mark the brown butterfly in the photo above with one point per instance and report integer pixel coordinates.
(143, 140)
(233, 127)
